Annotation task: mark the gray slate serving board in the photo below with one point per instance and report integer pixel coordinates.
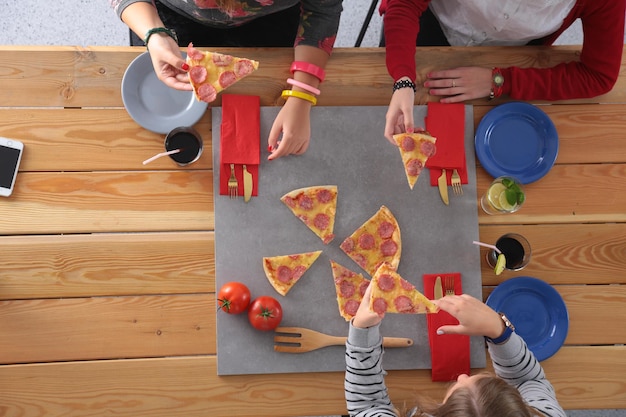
(347, 149)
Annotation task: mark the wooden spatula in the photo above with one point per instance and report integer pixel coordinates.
(298, 340)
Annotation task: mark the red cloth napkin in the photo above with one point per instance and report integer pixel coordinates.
(449, 353)
(240, 140)
(446, 122)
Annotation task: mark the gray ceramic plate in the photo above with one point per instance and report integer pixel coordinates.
(152, 104)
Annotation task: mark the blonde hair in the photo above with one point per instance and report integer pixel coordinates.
(489, 396)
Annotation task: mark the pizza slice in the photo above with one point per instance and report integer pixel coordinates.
(350, 288)
(284, 271)
(374, 242)
(212, 72)
(316, 206)
(393, 294)
(415, 149)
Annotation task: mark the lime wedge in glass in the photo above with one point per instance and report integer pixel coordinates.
(500, 263)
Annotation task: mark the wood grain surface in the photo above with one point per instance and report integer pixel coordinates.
(107, 278)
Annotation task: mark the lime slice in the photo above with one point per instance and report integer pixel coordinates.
(500, 263)
(494, 194)
(504, 202)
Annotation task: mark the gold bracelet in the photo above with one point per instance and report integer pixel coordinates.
(299, 94)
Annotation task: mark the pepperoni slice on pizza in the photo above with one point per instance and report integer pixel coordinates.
(415, 149)
(316, 206)
(284, 271)
(393, 294)
(350, 288)
(375, 242)
(212, 72)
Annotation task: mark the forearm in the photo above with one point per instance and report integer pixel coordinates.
(365, 390)
(313, 56)
(141, 17)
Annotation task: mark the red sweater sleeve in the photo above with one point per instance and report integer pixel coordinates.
(401, 26)
(600, 59)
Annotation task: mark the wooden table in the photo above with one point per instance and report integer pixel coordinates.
(107, 298)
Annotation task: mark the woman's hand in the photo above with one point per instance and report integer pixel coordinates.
(364, 317)
(459, 84)
(294, 122)
(399, 118)
(168, 62)
(475, 317)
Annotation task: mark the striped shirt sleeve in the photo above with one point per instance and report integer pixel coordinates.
(365, 390)
(516, 364)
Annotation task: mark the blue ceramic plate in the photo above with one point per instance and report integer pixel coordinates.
(536, 310)
(517, 139)
(152, 104)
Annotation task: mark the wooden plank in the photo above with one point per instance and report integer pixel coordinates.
(107, 328)
(94, 202)
(128, 201)
(91, 140)
(106, 264)
(565, 253)
(169, 325)
(584, 378)
(182, 262)
(568, 194)
(573, 124)
(87, 77)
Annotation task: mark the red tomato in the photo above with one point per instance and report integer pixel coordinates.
(265, 313)
(233, 298)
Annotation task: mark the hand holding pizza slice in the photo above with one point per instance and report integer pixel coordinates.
(212, 72)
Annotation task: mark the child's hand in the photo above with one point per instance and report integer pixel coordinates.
(364, 317)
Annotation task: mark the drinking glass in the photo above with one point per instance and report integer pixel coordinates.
(504, 195)
(516, 250)
(188, 140)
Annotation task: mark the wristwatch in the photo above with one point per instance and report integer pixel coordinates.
(508, 329)
(497, 81)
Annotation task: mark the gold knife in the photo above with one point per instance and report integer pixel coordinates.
(442, 181)
(247, 184)
(438, 291)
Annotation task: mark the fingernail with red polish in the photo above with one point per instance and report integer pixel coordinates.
(269, 148)
(185, 67)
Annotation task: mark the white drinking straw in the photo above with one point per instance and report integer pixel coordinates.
(487, 245)
(157, 156)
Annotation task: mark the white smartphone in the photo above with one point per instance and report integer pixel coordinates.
(10, 156)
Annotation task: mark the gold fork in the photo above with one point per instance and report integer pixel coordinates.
(233, 186)
(448, 284)
(456, 183)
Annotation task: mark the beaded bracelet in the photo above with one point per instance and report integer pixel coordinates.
(168, 32)
(299, 94)
(404, 84)
(309, 69)
(304, 86)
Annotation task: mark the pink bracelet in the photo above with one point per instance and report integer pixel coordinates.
(308, 68)
(304, 86)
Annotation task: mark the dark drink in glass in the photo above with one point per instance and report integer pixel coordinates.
(188, 141)
(516, 250)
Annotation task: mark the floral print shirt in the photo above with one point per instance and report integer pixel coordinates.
(319, 19)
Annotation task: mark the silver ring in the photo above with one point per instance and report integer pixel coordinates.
(453, 83)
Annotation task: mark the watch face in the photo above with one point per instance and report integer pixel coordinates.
(498, 79)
